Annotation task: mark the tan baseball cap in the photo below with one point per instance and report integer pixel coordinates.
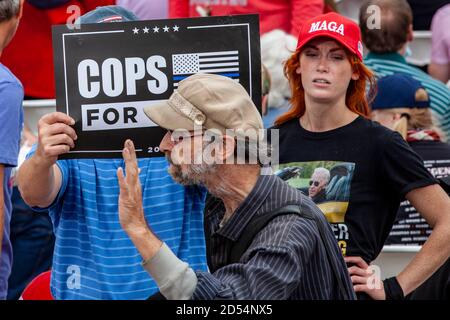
(210, 101)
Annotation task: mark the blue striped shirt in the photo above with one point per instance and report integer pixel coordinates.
(93, 257)
(389, 63)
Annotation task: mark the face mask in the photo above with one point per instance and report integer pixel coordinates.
(408, 52)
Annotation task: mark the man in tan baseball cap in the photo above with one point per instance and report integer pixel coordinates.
(252, 252)
(209, 101)
(218, 115)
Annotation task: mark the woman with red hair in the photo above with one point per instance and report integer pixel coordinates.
(371, 167)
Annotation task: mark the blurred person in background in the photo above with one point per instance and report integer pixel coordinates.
(287, 15)
(11, 118)
(146, 9)
(388, 47)
(439, 66)
(423, 12)
(31, 233)
(403, 105)
(30, 54)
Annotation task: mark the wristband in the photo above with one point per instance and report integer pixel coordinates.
(392, 289)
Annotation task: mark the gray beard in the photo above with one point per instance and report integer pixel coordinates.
(195, 174)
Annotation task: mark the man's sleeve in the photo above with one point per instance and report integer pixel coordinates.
(178, 9)
(275, 267)
(403, 169)
(273, 270)
(11, 97)
(175, 279)
(303, 10)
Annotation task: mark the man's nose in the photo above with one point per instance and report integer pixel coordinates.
(166, 143)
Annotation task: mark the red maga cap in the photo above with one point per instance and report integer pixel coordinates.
(335, 26)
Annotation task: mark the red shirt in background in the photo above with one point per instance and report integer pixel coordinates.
(287, 15)
(30, 55)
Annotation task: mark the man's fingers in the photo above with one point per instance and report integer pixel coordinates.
(55, 117)
(54, 151)
(58, 139)
(358, 261)
(58, 128)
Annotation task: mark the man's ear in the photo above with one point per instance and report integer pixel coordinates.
(410, 36)
(19, 15)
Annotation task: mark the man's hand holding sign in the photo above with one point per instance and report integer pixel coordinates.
(56, 137)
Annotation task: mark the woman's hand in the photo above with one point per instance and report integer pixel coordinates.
(365, 279)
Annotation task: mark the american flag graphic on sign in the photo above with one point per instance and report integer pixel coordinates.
(225, 63)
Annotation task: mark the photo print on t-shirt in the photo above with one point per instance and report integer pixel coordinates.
(327, 183)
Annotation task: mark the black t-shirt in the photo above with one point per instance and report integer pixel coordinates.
(409, 227)
(365, 169)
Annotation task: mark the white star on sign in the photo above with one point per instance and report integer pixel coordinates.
(155, 29)
(166, 29)
(135, 30)
(145, 30)
(176, 28)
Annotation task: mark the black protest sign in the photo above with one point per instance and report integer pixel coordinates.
(106, 73)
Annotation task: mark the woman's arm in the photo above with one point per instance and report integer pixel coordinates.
(434, 205)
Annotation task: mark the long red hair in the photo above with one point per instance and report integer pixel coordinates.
(355, 99)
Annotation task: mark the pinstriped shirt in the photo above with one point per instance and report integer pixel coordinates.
(286, 259)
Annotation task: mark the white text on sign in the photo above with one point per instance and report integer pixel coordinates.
(111, 72)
